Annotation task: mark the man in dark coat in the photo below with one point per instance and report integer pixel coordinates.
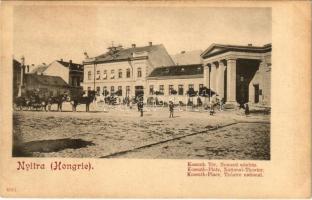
(140, 107)
(171, 106)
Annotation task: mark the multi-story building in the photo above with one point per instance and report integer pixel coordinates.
(124, 71)
(237, 74)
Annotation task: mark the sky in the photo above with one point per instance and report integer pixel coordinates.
(48, 33)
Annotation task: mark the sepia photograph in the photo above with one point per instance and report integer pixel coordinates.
(142, 82)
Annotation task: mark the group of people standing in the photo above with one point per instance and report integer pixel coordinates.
(215, 103)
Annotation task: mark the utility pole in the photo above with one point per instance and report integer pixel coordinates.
(94, 66)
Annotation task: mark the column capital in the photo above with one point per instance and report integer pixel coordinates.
(231, 58)
(222, 63)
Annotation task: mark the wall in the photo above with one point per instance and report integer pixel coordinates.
(263, 78)
(56, 69)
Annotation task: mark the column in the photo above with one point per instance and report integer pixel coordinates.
(231, 81)
(220, 80)
(206, 76)
(213, 77)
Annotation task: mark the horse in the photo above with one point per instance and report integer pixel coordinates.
(57, 100)
(75, 101)
(21, 102)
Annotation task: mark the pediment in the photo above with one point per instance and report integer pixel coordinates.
(213, 50)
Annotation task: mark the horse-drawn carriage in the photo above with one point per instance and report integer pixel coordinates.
(38, 100)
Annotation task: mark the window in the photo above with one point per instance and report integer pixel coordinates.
(119, 90)
(139, 72)
(112, 89)
(89, 75)
(73, 81)
(98, 75)
(161, 89)
(151, 90)
(201, 86)
(170, 89)
(78, 81)
(180, 92)
(105, 74)
(128, 73)
(105, 91)
(98, 90)
(127, 90)
(120, 73)
(191, 86)
(112, 74)
(89, 88)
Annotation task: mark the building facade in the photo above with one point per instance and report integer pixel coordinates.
(236, 74)
(46, 85)
(239, 74)
(124, 72)
(71, 73)
(173, 83)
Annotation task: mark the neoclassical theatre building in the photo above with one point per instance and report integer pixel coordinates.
(239, 74)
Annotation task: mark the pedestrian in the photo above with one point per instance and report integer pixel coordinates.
(141, 107)
(171, 106)
(246, 109)
(221, 104)
(138, 104)
(212, 107)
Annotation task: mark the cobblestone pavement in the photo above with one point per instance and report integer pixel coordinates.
(121, 132)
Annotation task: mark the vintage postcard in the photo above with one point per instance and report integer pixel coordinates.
(156, 99)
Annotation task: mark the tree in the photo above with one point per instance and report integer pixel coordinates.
(118, 93)
(191, 92)
(205, 92)
(158, 93)
(173, 92)
(105, 93)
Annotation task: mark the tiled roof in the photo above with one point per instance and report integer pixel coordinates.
(177, 71)
(157, 55)
(39, 69)
(47, 80)
(16, 63)
(73, 66)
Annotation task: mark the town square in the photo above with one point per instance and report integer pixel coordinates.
(160, 96)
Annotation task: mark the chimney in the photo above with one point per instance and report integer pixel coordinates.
(43, 63)
(250, 45)
(61, 59)
(70, 61)
(27, 68)
(150, 43)
(133, 45)
(86, 55)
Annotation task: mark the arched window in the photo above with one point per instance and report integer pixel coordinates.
(139, 72)
(89, 75)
